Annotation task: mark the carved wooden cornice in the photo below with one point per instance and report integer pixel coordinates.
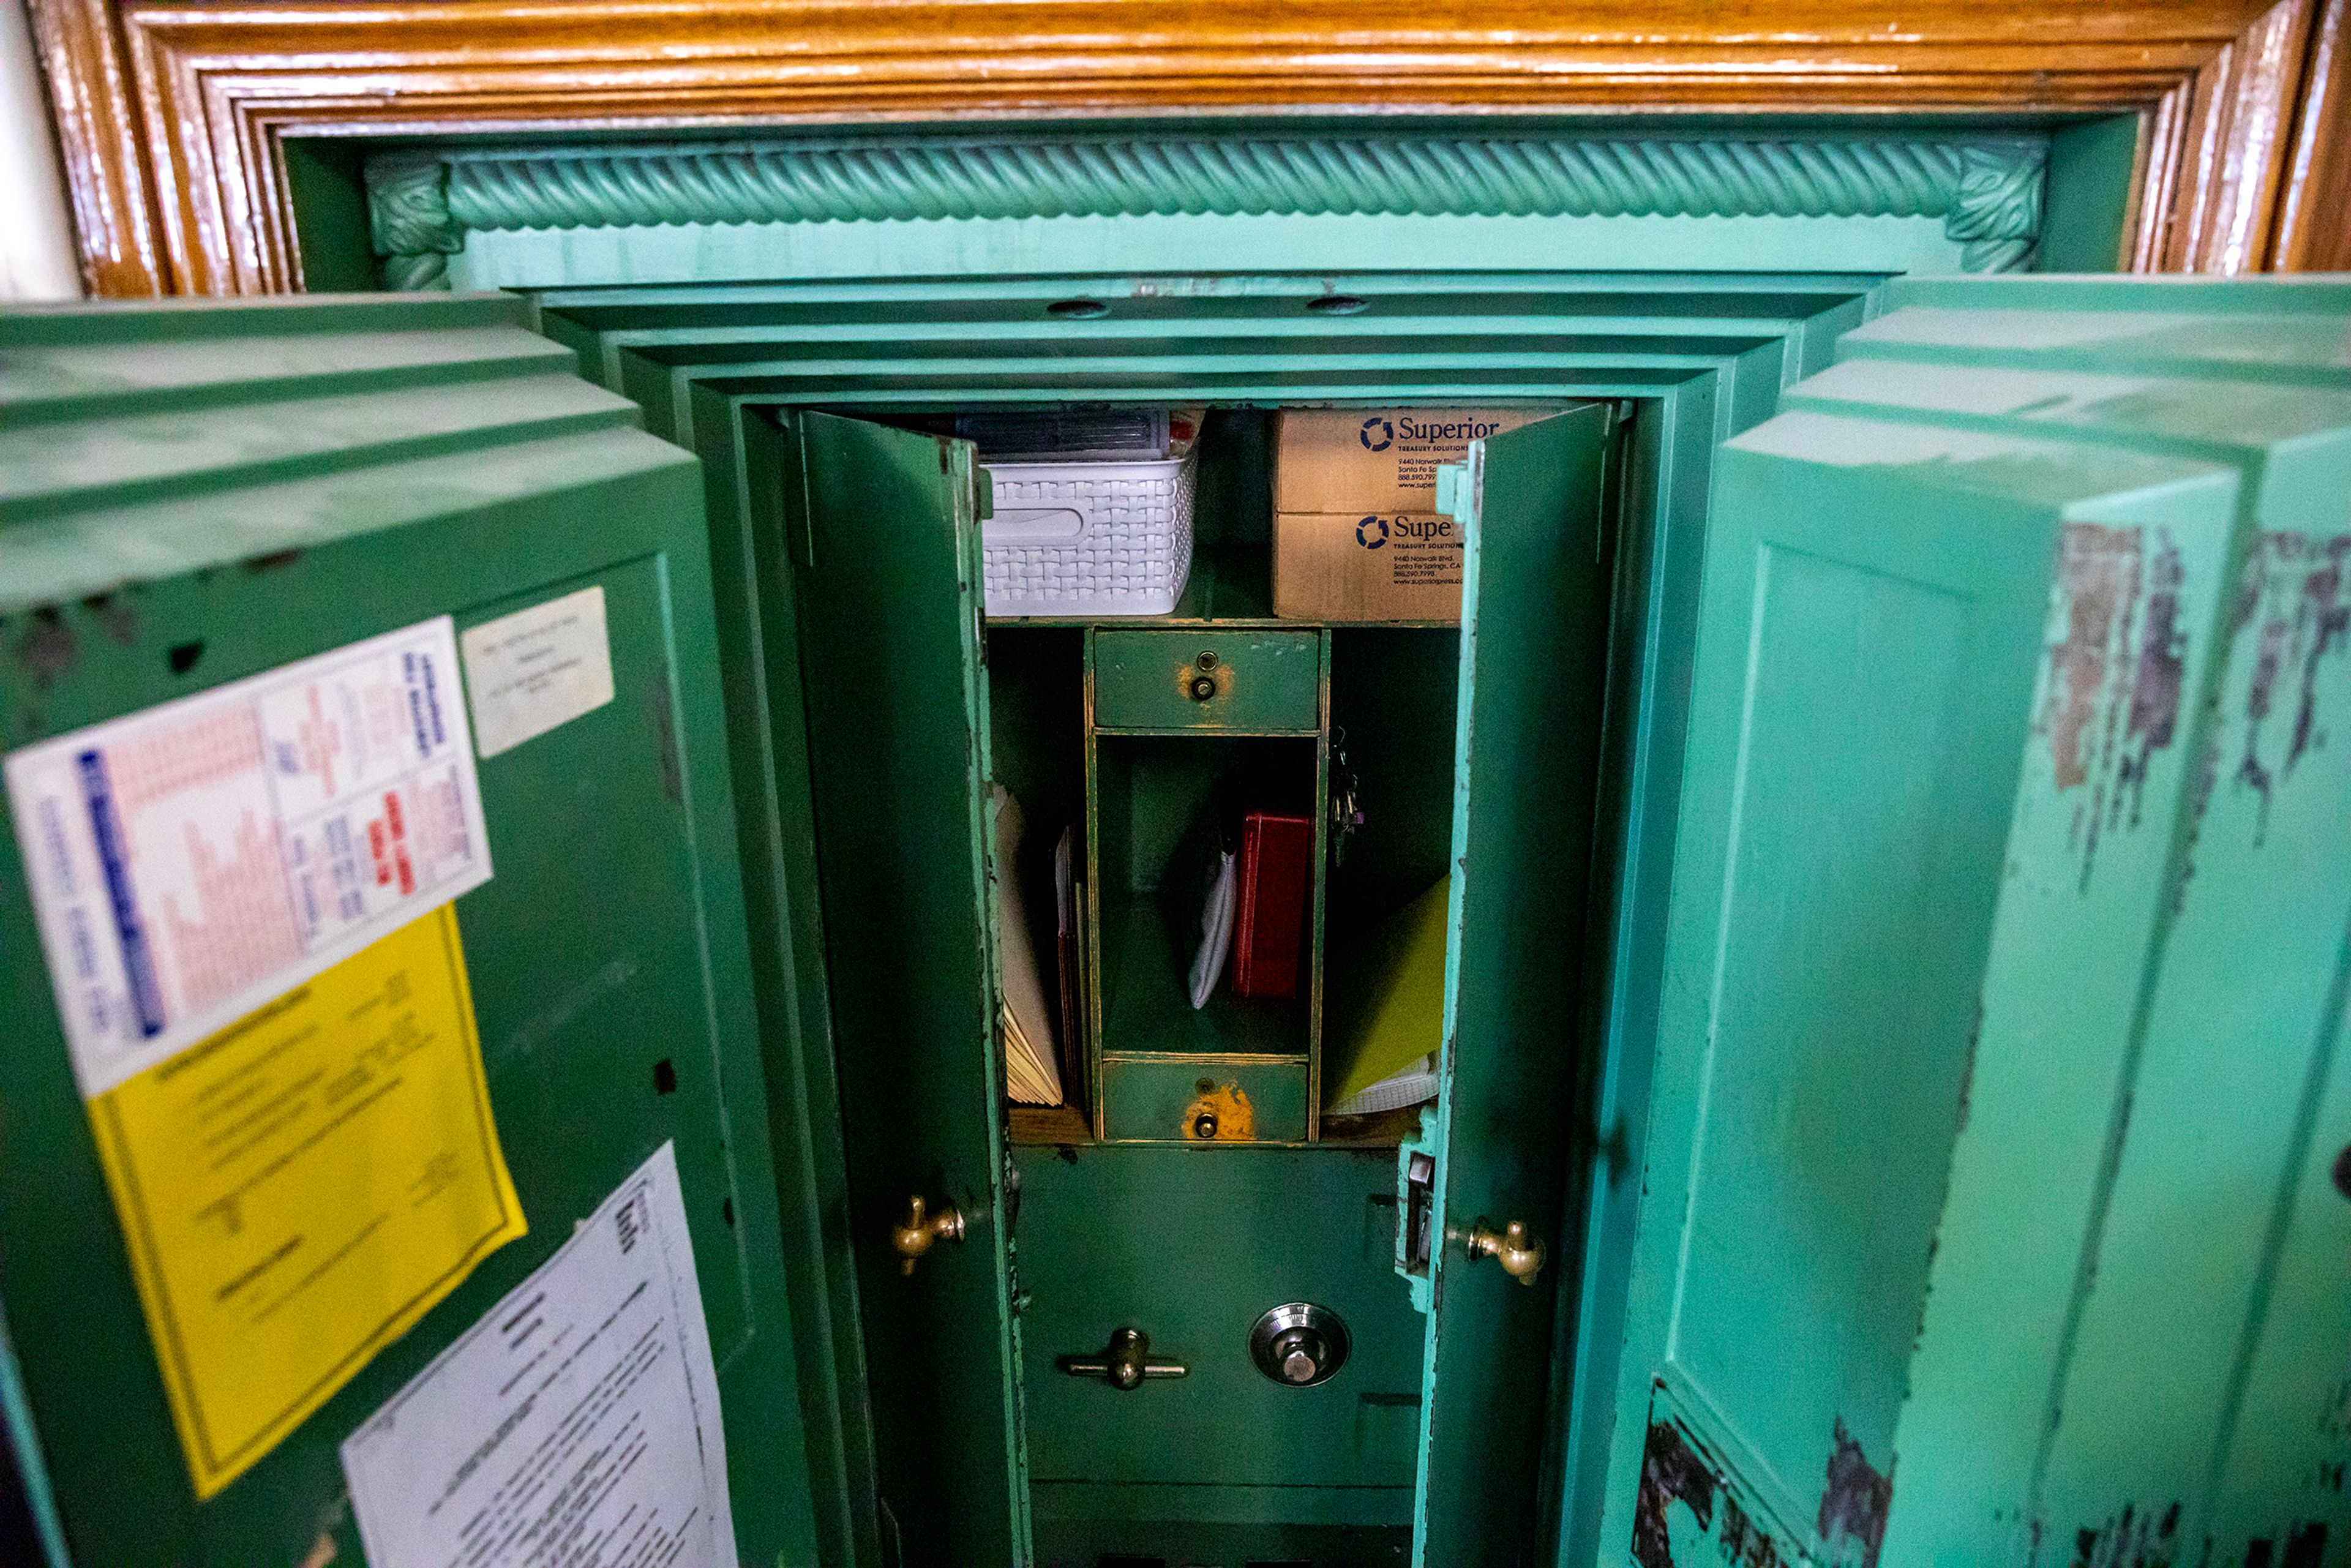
(1987, 190)
(173, 114)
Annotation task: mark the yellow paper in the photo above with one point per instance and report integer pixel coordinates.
(302, 1186)
(1396, 978)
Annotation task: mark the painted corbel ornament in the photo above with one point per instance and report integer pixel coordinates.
(1986, 190)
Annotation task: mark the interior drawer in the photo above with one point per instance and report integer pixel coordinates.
(1164, 1099)
(1247, 682)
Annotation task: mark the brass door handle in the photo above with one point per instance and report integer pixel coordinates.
(1521, 1257)
(913, 1235)
(1123, 1364)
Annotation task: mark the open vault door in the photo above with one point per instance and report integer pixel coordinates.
(1492, 1154)
(885, 558)
(1987, 1217)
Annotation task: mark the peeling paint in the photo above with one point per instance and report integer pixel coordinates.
(2099, 576)
(1671, 1472)
(2156, 685)
(2293, 594)
(1743, 1543)
(2117, 675)
(1855, 1501)
(2324, 619)
(2307, 1547)
(2133, 1538)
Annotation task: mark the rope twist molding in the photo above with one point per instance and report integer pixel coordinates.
(1987, 190)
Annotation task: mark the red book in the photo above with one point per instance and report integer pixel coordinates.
(1269, 906)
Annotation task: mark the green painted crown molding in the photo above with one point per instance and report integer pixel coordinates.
(1987, 190)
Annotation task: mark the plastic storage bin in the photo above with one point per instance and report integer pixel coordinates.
(1088, 538)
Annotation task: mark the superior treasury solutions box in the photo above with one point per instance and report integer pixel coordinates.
(1356, 533)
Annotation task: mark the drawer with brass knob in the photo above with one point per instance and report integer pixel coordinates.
(1253, 683)
(1202, 1100)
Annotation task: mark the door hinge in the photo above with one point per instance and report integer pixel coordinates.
(1417, 1209)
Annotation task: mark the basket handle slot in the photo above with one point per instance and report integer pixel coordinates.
(1034, 525)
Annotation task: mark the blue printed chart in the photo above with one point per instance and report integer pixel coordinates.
(196, 860)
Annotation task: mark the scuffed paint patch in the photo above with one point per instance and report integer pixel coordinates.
(1744, 1544)
(1854, 1503)
(2292, 598)
(2322, 620)
(1671, 1472)
(2156, 683)
(47, 648)
(2133, 1538)
(1677, 1469)
(2305, 1547)
(1230, 1118)
(2098, 580)
(115, 616)
(2116, 674)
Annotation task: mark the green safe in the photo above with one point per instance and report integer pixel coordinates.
(1889, 769)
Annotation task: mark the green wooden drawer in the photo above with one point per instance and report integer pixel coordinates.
(1163, 1099)
(1245, 682)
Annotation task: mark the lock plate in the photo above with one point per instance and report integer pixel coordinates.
(1298, 1344)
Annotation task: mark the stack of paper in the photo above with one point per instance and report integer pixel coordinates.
(1388, 1010)
(1415, 1084)
(1031, 1075)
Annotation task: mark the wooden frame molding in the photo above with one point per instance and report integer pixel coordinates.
(173, 114)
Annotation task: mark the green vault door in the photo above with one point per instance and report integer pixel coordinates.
(1988, 1208)
(195, 496)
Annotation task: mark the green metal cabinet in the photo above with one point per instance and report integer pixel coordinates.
(1935, 1167)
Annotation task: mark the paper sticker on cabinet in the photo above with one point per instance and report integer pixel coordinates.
(535, 669)
(193, 860)
(582, 1409)
(300, 1189)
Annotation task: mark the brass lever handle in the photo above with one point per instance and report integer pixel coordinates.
(913, 1235)
(1124, 1362)
(1521, 1257)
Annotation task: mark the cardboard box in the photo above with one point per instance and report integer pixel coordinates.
(1377, 460)
(1376, 566)
(1356, 534)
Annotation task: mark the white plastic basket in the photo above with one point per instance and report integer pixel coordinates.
(1088, 538)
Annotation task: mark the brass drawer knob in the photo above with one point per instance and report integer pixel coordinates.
(1521, 1257)
(1202, 688)
(1123, 1364)
(913, 1235)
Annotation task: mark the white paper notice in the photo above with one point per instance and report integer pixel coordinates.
(536, 668)
(196, 860)
(576, 1426)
